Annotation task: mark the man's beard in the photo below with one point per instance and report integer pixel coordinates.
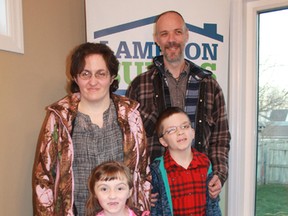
(176, 56)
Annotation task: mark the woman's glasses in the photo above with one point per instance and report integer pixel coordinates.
(86, 75)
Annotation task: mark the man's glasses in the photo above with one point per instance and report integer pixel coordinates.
(173, 129)
(86, 75)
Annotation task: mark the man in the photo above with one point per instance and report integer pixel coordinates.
(174, 81)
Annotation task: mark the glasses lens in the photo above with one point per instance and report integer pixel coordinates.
(171, 130)
(101, 74)
(85, 75)
(185, 126)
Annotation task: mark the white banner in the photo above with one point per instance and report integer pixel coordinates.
(127, 28)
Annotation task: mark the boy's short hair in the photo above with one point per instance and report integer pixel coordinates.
(164, 115)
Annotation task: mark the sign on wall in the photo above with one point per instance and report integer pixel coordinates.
(127, 27)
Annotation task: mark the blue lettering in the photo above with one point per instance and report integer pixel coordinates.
(193, 51)
(143, 53)
(148, 50)
(207, 48)
(192, 48)
(123, 49)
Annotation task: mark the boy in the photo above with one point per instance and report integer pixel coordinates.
(180, 175)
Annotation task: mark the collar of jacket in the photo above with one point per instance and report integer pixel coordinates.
(67, 108)
(196, 71)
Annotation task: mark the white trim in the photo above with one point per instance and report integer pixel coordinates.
(236, 109)
(13, 40)
(243, 103)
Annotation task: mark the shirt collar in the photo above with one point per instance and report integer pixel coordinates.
(184, 71)
(171, 163)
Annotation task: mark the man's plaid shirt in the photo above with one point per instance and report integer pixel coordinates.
(212, 131)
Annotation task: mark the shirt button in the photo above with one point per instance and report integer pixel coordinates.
(200, 121)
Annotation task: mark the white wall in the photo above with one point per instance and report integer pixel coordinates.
(28, 83)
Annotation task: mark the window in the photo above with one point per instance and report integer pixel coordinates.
(11, 26)
(272, 142)
(3, 19)
(243, 102)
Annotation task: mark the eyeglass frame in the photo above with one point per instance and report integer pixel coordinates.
(183, 126)
(97, 74)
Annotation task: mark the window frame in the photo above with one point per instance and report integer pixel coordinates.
(13, 41)
(243, 83)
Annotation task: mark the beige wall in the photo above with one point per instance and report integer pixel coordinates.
(28, 83)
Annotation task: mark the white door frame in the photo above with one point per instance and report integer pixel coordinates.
(242, 104)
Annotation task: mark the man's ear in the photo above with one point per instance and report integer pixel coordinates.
(186, 36)
(155, 39)
(163, 142)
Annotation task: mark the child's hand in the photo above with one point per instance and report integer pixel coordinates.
(153, 199)
(214, 186)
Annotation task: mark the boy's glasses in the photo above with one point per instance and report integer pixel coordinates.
(173, 129)
(86, 75)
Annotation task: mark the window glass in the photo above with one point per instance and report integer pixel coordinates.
(3, 20)
(272, 151)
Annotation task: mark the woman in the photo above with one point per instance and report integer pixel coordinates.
(84, 129)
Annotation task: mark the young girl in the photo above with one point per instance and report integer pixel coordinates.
(110, 187)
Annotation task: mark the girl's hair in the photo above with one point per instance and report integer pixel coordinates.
(164, 115)
(78, 62)
(107, 171)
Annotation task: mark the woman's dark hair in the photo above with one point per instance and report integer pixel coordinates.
(78, 62)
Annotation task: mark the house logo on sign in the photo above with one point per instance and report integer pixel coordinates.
(135, 51)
